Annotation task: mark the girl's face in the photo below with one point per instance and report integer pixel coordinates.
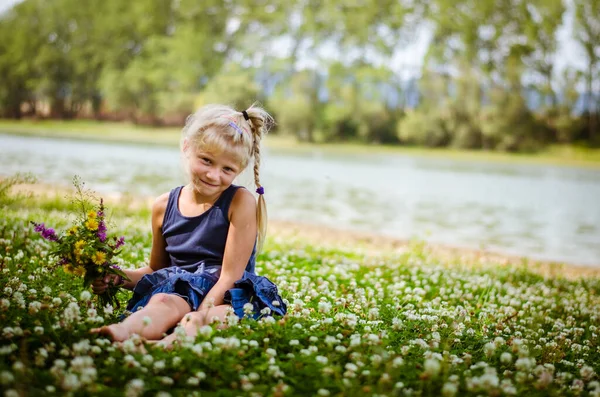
(211, 173)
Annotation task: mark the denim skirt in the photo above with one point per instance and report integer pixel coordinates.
(259, 291)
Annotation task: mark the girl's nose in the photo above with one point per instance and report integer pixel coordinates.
(213, 173)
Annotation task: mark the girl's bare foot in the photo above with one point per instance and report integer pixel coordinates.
(115, 332)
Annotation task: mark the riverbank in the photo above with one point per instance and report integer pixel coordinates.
(370, 244)
(562, 155)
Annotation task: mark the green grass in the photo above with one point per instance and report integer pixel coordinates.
(564, 155)
(356, 325)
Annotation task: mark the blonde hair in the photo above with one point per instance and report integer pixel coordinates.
(216, 128)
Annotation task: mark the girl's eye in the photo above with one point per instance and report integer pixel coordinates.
(227, 169)
(206, 160)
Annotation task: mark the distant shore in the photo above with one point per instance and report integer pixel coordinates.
(367, 243)
(561, 155)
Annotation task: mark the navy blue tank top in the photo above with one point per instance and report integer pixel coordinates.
(195, 243)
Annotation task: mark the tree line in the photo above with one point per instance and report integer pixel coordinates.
(322, 67)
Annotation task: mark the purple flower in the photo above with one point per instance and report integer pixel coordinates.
(101, 226)
(120, 242)
(49, 234)
(102, 236)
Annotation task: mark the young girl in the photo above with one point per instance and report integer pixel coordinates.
(204, 234)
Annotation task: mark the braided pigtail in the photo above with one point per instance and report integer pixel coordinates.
(259, 122)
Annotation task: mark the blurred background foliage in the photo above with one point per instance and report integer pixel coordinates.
(488, 80)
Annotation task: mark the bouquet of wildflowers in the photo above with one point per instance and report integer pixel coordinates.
(85, 249)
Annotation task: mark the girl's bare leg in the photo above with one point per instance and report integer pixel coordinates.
(193, 321)
(163, 312)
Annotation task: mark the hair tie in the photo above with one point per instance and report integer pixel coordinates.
(260, 190)
(246, 117)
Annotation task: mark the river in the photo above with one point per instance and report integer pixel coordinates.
(539, 211)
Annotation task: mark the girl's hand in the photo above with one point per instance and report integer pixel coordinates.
(100, 285)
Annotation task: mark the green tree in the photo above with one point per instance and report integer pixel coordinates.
(587, 33)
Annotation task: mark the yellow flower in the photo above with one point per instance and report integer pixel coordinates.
(99, 257)
(72, 230)
(79, 245)
(91, 224)
(79, 271)
(68, 268)
(92, 215)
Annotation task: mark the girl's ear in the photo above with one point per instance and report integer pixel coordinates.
(186, 146)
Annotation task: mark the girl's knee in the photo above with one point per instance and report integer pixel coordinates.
(172, 301)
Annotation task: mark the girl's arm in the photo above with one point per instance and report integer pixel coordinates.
(158, 255)
(238, 248)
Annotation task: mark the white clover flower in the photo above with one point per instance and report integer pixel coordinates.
(351, 367)
(323, 392)
(6, 378)
(267, 320)
(11, 393)
(398, 361)
(586, 372)
(376, 359)
(34, 307)
(432, 367)
(266, 311)
(193, 381)
(525, 364)
(506, 358)
(4, 304)
(324, 307)
(449, 389)
(176, 361)
(134, 388)
(165, 380)
(18, 366)
(321, 360)
(205, 331)
(294, 342)
(70, 382)
(159, 365)
(489, 349)
(147, 359)
(85, 296)
(248, 308)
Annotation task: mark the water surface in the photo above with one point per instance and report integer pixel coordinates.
(540, 211)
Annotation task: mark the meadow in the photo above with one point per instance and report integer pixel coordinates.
(358, 324)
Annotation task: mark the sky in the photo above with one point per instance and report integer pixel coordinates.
(408, 61)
